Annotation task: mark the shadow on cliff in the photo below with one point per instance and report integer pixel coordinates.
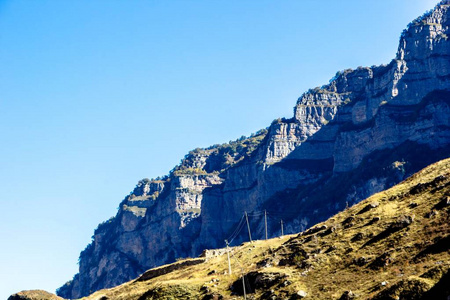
(381, 169)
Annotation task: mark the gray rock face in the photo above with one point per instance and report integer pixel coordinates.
(363, 132)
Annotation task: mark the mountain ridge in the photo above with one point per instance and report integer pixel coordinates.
(393, 245)
(392, 119)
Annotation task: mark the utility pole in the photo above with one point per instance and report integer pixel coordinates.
(248, 227)
(228, 255)
(281, 227)
(265, 221)
(243, 285)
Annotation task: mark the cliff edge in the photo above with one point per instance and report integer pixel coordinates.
(363, 132)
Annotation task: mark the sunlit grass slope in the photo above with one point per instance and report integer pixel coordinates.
(393, 245)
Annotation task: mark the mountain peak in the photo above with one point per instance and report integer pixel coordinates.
(363, 132)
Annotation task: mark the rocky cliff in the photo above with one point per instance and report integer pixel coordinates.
(363, 132)
(393, 245)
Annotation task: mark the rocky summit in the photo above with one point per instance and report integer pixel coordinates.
(363, 132)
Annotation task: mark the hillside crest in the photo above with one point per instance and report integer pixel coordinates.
(365, 131)
(393, 245)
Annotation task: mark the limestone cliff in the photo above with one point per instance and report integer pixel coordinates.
(393, 245)
(363, 132)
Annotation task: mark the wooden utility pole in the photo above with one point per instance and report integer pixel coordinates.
(243, 285)
(228, 255)
(265, 221)
(248, 227)
(281, 227)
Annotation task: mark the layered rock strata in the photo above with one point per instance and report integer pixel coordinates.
(363, 132)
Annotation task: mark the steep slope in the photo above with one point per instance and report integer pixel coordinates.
(365, 131)
(393, 245)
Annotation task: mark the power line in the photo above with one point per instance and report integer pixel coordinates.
(236, 230)
(279, 216)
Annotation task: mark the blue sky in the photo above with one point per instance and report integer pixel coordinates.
(95, 95)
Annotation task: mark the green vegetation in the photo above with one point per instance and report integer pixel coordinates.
(189, 171)
(217, 158)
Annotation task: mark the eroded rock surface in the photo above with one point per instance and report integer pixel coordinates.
(365, 131)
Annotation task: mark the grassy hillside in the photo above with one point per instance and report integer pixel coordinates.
(393, 245)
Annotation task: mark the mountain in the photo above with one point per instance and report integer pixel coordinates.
(393, 245)
(361, 133)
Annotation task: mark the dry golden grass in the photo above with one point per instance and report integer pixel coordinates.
(362, 250)
(34, 295)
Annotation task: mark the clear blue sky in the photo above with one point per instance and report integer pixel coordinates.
(95, 95)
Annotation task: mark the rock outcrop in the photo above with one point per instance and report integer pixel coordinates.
(365, 131)
(404, 255)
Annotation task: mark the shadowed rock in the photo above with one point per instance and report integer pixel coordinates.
(440, 245)
(256, 280)
(401, 223)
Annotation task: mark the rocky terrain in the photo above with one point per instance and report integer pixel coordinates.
(365, 131)
(393, 245)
